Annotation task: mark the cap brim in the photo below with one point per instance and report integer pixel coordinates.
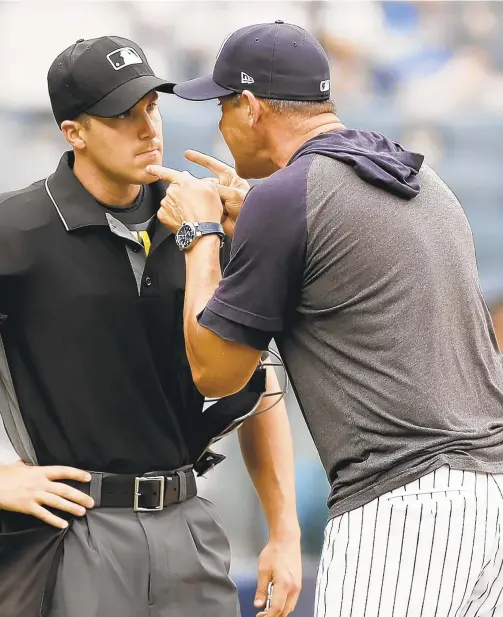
(127, 95)
(201, 89)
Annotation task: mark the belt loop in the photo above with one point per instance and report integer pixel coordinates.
(95, 488)
(182, 493)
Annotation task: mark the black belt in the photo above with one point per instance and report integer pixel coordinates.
(144, 493)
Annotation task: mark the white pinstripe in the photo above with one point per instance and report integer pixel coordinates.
(429, 549)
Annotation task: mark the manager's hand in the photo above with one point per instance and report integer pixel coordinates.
(231, 188)
(187, 199)
(27, 489)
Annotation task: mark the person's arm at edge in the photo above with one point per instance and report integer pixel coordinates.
(267, 450)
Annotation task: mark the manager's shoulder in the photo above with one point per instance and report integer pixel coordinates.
(286, 184)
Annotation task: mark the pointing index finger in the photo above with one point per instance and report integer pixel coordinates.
(165, 173)
(211, 163)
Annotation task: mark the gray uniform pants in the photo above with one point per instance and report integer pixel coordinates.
(171, 563)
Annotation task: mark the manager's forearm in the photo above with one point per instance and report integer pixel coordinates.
(219, 367)
(203, 275)
(267, 450)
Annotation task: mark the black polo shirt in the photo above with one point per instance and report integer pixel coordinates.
(97, 361)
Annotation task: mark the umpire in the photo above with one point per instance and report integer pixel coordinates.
(94, 377)
(359, 260)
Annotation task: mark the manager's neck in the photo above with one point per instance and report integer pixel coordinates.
(289, 136)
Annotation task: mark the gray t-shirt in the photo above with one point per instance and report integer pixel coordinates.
(363, 269)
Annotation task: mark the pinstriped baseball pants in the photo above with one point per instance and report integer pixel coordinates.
(431, 548)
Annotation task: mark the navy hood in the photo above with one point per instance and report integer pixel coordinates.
(375, 159)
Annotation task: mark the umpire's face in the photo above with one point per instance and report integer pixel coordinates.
(120, 148)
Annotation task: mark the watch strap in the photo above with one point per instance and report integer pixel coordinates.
(210, 228)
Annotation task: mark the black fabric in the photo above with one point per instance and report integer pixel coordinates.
(207, 461)
(100, 370)
(30, 552)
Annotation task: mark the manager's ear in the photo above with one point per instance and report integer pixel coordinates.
(254, 108)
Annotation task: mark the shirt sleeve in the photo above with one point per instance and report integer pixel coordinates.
(263, 278)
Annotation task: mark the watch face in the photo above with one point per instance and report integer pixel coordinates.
(185, 235)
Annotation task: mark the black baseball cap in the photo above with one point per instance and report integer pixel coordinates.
(274, 61)
(103, 77)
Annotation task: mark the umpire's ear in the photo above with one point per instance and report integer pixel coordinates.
(75, 131)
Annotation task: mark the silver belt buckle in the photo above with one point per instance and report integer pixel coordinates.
(137, 493)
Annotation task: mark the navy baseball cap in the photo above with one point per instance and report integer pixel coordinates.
(274, 61)
(103, 77)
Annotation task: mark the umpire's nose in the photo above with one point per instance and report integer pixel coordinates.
(147, 130)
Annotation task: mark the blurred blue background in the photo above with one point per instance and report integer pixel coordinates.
(428, 74)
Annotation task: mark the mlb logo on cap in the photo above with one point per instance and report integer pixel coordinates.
(80, 79)
(126, 56)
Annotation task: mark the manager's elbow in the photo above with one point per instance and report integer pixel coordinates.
(211, 385)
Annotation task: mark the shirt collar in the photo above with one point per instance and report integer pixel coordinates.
(75, 206)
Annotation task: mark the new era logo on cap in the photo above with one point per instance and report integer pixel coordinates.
(126, 56)
(247, 79)
(282, 61)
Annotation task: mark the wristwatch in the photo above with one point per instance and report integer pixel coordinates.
(189, 233)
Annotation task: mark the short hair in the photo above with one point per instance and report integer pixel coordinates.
(85, 120)
(292, 108)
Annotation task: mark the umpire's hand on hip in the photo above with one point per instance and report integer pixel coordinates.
(27, 489)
